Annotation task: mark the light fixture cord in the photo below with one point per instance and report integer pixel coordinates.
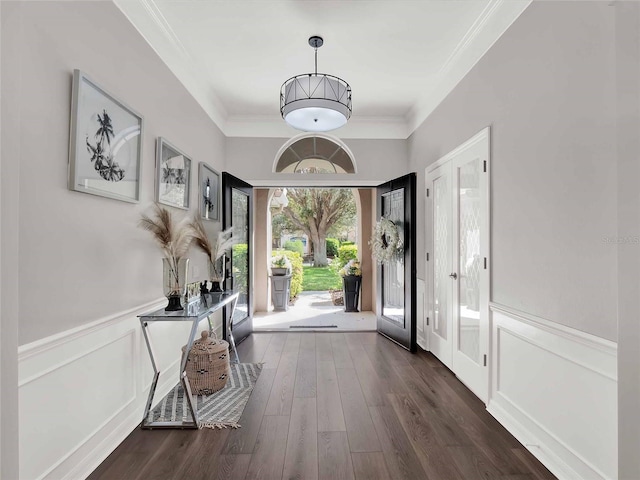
(316, 49)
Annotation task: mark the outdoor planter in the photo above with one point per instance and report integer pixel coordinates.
(280, 287)
(351, 288)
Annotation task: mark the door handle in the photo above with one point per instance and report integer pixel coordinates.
(453, 275)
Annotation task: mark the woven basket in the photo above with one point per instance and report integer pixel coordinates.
(207, 365)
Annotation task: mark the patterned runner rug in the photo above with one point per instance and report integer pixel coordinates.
(220, 410)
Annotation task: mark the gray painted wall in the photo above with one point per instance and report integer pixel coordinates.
(628, 142)
(546, 88)
(82, 257)
(8, 284)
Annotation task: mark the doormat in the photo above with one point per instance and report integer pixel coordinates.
(313, 326)
(221, 410)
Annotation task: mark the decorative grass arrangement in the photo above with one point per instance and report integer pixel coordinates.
(214, 250)
(174, 240)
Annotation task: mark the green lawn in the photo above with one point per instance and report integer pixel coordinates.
(319, 278)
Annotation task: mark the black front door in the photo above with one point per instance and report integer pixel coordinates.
(237, 208)
(396, 279)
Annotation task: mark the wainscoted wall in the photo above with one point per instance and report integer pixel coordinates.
(555, 389)
(84, 390)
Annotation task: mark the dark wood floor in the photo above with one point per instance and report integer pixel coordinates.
(337, 406)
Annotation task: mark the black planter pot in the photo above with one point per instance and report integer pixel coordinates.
(351, 289)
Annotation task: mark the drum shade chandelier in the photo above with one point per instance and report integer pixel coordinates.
(315, 102)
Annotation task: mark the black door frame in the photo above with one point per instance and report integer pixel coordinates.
(244, 328)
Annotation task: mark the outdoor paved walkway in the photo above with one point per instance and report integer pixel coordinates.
(315, 310)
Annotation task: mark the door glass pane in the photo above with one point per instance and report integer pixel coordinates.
(441, 280)
(469, 268)
(240, 252)
(393, 271)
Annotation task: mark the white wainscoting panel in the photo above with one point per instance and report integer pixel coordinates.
(555, 389)
(83, 391)
(421, 327)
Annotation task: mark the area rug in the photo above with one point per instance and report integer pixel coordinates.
(223, 409)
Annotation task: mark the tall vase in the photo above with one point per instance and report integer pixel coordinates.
(351, 289)
(216, 274)
(174, 275)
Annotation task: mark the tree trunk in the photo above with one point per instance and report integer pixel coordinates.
(319, 240)
(320, 252)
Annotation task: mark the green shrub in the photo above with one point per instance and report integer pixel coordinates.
(294, 246)
(346, 242)
(346, 253)
(240, 266)
(296, 271)
(332, 247)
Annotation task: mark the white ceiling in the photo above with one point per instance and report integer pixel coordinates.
(401, 57)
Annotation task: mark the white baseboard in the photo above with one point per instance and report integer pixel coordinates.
(83, 391)
(555, 389)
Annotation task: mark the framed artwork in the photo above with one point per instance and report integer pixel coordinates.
(105, 143)
(209, 181)
(173, 170)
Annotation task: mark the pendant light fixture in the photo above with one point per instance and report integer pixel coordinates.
(315, 102)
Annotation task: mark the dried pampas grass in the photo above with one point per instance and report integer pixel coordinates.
(201, 238)
(173, 239)
(214, 250)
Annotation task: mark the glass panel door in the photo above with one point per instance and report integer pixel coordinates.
(237, 208)
(240, 252)
(396, 280)
(393, 271)
(468, 193)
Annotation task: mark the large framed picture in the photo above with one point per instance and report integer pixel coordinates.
(105, 143)
(173, 170)
(209, 181)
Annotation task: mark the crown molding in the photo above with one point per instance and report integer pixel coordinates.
(494, 20)
(148, 19)
(490, 25)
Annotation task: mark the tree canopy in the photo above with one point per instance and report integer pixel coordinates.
(319, 212)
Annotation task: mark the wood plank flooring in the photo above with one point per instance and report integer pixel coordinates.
(337, 406)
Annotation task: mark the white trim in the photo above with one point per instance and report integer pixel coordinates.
(603, 345)
(115, 341)
(482, 135)
(39, 346)
(555, 389)
(490, 25)
(421, 327)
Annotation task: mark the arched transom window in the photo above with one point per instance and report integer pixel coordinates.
(314, 154)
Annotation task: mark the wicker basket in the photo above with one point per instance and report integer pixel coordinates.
(207, 365)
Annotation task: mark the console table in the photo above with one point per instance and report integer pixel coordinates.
(194, 313)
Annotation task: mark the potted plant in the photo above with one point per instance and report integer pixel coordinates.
(280, 265)
(351, 281)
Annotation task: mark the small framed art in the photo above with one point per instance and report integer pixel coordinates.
(105, 143)
(173, 170)
(209, 181)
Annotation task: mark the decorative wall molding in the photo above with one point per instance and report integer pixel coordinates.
(89, 386)
(555, 389)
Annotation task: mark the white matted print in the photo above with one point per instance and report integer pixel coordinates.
(105, 147)
(209, 181)
(173, 169)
